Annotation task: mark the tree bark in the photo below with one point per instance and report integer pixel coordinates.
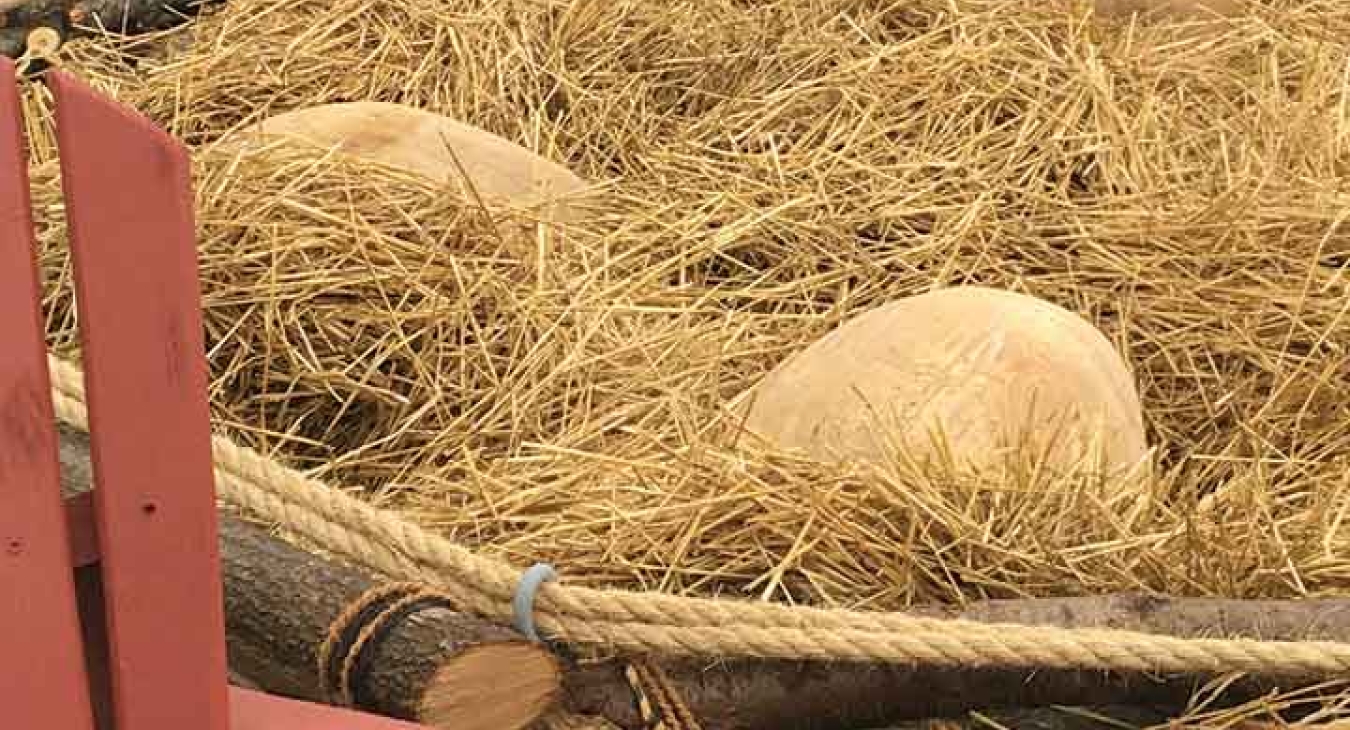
(1107, 717)
(788, 695)
(434, 666)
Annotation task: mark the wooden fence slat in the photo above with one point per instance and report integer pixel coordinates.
(129, 206)
(42, 682)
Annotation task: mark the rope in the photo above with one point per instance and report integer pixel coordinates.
(659, 704)
(643, 623)
(351, 643)
(351, 632)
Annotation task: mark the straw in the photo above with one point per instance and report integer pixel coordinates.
(772, 168)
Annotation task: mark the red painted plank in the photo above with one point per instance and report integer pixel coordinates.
(44, 685)
(251, 710)
(129, 206)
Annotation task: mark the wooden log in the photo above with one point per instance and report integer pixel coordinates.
(435, 666)
(438, 667)
(789, 695)
(71, 18)
(280, 601)
(1109, 717)
(747, 694)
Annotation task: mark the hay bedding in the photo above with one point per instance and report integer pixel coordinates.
(769, 169)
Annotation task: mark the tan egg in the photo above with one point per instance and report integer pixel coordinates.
(426, 144)
(988, 369)
(1198, 9)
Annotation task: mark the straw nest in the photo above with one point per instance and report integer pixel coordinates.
(765, 170)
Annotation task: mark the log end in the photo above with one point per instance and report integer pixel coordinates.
(492, 687)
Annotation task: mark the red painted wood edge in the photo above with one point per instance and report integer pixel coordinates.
(43, 684)
(251, 710)
(129, 206)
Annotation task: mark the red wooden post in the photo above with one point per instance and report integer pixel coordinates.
(128, 191)
(43, 684)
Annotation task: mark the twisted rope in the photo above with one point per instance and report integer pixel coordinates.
(351, 631)
(659, 703)
(644, 623)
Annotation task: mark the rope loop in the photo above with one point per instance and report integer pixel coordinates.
(352, 639)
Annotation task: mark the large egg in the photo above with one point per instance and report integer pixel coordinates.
(997, 374)
(1186, 9)
(427, 144)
